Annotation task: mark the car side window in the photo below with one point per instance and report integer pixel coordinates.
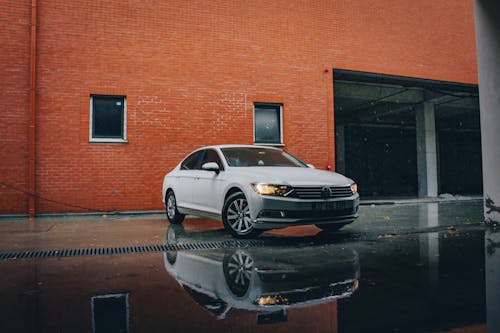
(212, 156)
(192, 162)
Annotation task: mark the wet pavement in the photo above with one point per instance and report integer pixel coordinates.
(425, 267)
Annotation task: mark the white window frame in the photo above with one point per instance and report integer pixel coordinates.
(276, 105)
(91, 121)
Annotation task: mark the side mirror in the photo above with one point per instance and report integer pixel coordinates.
(211, 166)
(311, 166)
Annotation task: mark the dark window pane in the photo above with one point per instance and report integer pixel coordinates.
(211, 156)
(107, 117)
(267, 125)
(192, 161)
(251, 157)
(110, 313)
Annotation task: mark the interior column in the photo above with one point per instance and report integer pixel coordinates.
(487, 18)
(426, 150)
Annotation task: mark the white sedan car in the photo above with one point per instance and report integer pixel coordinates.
(254, 188)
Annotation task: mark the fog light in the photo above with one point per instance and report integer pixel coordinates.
(272, 213)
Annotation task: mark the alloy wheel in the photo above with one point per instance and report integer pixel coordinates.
(238, 216)
(171, 206)
(238, 270)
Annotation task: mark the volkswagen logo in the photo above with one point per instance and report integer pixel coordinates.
(326, 192)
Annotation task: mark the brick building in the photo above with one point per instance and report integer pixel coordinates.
(122, 90)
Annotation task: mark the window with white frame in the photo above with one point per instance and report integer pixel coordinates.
(268, 123)
(110, 313)
(108, 118)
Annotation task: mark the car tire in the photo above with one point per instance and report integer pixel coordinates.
(238, 268)
(173, 214)
(174, 232)
(330, 227)
(236, 217)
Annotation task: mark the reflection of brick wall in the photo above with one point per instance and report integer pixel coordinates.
(54, 295)
(191, 73)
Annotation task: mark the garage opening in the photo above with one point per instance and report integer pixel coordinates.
(399, 136)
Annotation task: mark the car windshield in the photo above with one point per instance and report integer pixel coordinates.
(250, 157)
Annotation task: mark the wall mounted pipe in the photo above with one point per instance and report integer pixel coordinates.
(32, 114)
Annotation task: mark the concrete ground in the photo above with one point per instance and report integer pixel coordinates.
(410, 267)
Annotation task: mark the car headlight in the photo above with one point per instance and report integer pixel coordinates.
(272, 300)
(271, 189)
(354, 188)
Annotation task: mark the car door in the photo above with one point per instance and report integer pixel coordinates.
(185, 179)
(208, 185)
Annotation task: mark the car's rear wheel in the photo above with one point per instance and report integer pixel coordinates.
(236, 217)
(330, 227)
(174, 232)
(173, 214)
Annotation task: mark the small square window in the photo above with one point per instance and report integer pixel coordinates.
(268, 123)
(108, 118)
(110, 313)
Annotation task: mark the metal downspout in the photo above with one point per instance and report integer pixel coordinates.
(32, 119)
(330, 120)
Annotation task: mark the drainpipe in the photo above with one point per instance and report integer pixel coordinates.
(330, 121)
(32, 132)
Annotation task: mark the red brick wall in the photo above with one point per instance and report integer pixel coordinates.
(14, 103)
(191, 72)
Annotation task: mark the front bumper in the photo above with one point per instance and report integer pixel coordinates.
(281, 212)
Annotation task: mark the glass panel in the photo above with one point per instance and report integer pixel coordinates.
(110, 313)
(211, 156)
(107, 117)
(192, 161)
(267, 125)
(250, 157)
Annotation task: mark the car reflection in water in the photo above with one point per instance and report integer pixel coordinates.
(266, 279)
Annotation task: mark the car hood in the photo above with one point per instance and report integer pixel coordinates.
(292, 176)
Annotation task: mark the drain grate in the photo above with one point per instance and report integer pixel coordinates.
(39, 254)
(338, 238)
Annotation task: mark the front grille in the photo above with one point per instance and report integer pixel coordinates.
(319, 214)
(332, 290)
(318, 192)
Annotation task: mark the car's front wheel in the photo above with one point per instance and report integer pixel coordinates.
(238, 267)
(173, 214)
(236, 217)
